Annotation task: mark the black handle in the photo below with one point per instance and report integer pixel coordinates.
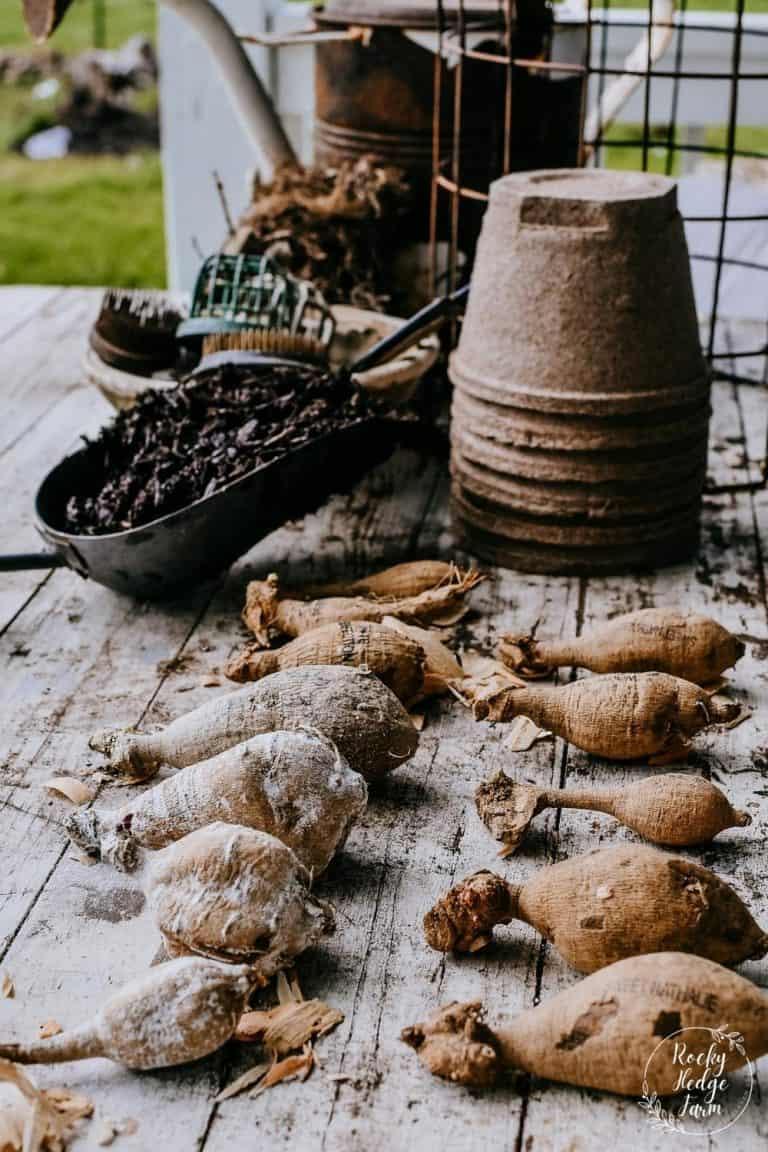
(27, 561)
(426, 320)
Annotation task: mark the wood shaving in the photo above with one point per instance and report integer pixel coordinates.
(247, 1080)
(14, 1111)
(210, 682)
(283, 1030)
(72, 1105)
(291, 1068)
(28, 1121)
(48, 1029)
(286, 992)
(523, 733)
(483, 677)
(105, 1134)
(480, 942)
(71, 789)
(7, 988)
(289, 1026)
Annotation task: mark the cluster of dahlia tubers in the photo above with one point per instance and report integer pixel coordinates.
(653, 930)
(271, 778)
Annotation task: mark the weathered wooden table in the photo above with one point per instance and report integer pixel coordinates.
(77, 657)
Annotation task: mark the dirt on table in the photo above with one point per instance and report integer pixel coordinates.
(340, 227)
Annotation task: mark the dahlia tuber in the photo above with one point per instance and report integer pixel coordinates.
(294, 785)
(674, 810)
(441, 670)
(176, 1012)
(601, 1032)
(604, 906)
(408, 579)
(270, 616)
(366, 722)
(624, 716)
(238, 895)
(690, 646)
(395, 659)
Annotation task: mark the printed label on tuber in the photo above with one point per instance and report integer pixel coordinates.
(697, 1081)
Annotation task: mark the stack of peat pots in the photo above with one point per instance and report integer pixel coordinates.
(581, 397)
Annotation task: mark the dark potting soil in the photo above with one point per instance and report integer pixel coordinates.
(176, 446)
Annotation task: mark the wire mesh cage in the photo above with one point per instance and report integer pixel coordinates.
(660, 88)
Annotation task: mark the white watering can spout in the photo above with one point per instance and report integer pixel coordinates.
(648, 50)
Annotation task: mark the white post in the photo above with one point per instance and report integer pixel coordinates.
(205, 131)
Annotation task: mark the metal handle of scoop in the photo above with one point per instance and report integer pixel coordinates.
(28, 561)
(426, 320)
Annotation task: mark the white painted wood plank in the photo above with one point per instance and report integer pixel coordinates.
(19, 302)
(42, 361)
(79, 412)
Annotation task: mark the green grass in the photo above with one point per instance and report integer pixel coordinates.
(82, 221)
(124, 18)
(20, 114)
(630, 156)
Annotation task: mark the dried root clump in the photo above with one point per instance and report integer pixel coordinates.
(398, 661)
(338, 227)
(687, 645)
(294, 785)
(623, 716)
(355, 710)
(463, 920)
(175, 1013)
(674, 810)
(236, 895)
(603, 907)
(457, 1045)
(271, 616)
(601, 1032)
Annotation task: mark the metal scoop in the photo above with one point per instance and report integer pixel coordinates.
(180, 550)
